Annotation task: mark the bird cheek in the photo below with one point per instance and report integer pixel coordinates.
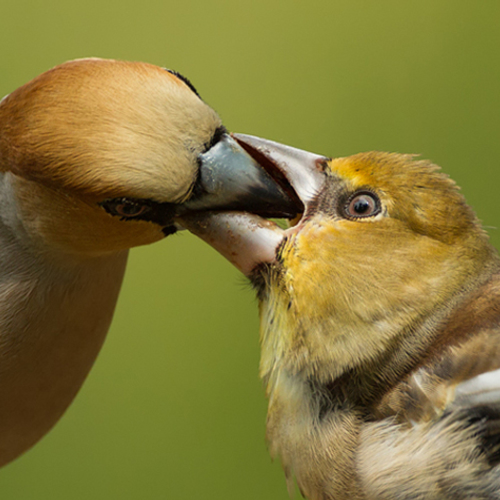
(310, 244)
(58, 223)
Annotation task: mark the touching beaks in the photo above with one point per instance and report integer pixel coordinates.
(304, 171)
(244, 180)
(231, 180)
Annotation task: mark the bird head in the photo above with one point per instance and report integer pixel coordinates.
(97, 155)
(382, 243)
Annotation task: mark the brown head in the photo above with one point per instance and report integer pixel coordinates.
(97, 149)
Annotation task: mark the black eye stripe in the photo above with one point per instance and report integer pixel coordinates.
(152, 211)
(125, 208)
(184, 79)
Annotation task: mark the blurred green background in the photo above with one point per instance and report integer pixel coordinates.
(174, 408)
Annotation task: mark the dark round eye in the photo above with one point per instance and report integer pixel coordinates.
(129, 209)
(363, 204)
(125, 208)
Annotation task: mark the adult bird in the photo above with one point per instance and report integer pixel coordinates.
(380, 327)
(96, 156)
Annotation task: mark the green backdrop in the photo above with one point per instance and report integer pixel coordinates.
(174, 408)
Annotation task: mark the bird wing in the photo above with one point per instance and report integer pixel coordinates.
(462, 370)
(441, 435)
(483, 389)
(465, 376)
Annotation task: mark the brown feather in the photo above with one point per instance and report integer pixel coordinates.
(106, 128)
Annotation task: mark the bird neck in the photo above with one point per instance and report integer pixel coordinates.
(54, 315)
(334, 343)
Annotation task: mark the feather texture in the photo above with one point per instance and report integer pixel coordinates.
(71, 139)
(380, 331)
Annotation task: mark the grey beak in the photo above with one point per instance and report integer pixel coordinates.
(231, 180)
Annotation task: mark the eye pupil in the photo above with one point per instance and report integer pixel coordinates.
(129, 209)
(362, 205)
(126, 208)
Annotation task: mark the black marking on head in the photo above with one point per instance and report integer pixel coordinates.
(155, 212)
(184, 79)
(168, 230)
(216, 137)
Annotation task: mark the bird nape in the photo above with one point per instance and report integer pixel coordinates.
(96, 156)
(380, 326)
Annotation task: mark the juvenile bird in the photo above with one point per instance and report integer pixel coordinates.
(380, 327)
(96, 156)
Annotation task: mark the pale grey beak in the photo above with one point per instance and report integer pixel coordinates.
(287, 180)
(232, 180)
(302, 170)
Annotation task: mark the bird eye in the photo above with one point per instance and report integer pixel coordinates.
(130, 210)
(127, 209)
(361, 205)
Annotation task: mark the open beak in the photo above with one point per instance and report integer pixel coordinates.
(301, 169)
(231, 216)
(231, 179)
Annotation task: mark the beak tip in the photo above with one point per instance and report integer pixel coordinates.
(232, 179)
(302, 169)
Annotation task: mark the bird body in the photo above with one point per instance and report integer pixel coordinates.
(96, 157)
(84, 132)
(54, 318)
(380, 327)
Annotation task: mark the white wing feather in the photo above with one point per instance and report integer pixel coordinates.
(483, 389)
